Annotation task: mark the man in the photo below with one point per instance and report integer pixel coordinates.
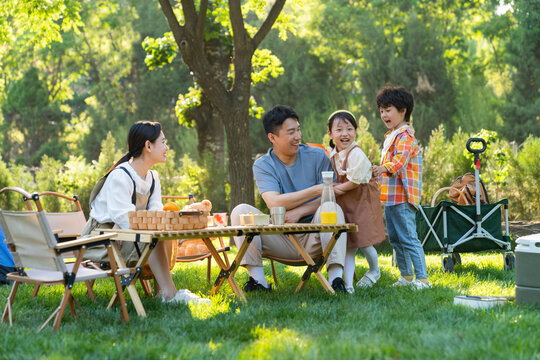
(289, 175)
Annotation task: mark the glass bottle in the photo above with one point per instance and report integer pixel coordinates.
(328, 199)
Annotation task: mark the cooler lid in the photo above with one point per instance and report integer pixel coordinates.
(528, 243)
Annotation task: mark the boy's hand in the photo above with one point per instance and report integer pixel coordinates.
(378, 170)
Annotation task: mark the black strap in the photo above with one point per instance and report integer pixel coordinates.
(134, 196)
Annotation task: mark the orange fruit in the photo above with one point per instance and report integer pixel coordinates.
(171, 206)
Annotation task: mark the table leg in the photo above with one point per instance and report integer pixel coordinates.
(131, 286)
(315, 267)
(228, 272)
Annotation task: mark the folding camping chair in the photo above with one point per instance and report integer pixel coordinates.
(452, 228)
(289, 262)
(70, 222)
(38, 259)
(65, 225)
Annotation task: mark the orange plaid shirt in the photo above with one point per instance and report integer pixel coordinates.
(404, 162)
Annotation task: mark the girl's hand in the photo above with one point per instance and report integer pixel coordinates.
(378, 170)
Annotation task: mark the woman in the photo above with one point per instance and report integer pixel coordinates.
(131, 185)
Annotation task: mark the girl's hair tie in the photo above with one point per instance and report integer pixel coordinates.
(341, 111)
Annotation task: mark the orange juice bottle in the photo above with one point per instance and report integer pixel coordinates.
(328, 200)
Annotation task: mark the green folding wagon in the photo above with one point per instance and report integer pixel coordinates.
(452, 229)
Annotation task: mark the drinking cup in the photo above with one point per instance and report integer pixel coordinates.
(278, 215)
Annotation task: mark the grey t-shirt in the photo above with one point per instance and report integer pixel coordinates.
(272, 175)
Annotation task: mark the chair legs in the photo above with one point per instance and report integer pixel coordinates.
(273, 271)
(146, 286)
(58, 313)
(7, 310)
(36, 290)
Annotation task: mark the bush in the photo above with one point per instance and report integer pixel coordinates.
(523, 186)
(443, 161)
(7, 200)
(505, 174)
(180, 180)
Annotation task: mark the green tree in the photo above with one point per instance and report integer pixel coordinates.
(29, 112)
(231, 100)
(522, 109)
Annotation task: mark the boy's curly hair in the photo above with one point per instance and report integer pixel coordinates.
(397, 96)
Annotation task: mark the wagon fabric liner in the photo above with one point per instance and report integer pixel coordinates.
(460, 225)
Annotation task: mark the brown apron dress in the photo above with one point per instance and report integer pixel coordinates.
(361, 206)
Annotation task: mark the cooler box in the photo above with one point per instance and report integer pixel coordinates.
(528, 270)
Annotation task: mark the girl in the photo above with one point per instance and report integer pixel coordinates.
(358, 196)
(131, 185)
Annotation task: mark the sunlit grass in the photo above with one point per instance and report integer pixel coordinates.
(380, 322)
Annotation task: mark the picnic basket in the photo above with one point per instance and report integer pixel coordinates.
(168, 220)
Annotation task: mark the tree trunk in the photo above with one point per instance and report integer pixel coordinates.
(210, 134)
(239, 151)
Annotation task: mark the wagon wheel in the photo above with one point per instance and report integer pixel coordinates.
(448, 264)
(509, 261)
(457, 258)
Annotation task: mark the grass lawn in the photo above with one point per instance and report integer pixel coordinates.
(381, 322)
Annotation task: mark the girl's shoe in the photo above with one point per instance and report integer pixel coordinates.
(349, 289)
(404, 282)
(368, 280)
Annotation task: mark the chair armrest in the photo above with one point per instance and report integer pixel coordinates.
(17, 189)
(84, 241)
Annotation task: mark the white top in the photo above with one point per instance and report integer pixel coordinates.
(113, 202)
(358, 165)
(388, 140)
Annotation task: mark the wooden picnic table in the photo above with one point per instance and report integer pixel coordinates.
(151, 237)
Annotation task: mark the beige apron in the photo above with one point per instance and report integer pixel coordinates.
(361, 206)
(130, 250)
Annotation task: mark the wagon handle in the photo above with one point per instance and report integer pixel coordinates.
(476, 140)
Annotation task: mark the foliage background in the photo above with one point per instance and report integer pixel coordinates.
(75, 77)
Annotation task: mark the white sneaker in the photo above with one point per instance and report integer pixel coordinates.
(422, 285)
(404, 282)
(350, 290)
(185, 296)
(368, 280)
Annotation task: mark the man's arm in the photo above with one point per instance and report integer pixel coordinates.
(293, 199)
(294, 215)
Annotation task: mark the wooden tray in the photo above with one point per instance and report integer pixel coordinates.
(168, 220)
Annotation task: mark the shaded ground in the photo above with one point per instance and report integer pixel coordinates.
(522, 228)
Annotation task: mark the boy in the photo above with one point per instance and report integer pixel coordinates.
(400, 175)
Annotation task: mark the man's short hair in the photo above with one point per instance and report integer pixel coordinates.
(275, 117)
(397, 96)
